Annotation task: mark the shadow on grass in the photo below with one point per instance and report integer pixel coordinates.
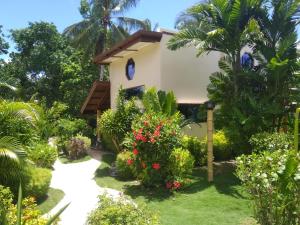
(225, 182)
(104, 169)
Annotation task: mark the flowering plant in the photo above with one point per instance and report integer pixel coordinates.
(152, 140)
(273, 181)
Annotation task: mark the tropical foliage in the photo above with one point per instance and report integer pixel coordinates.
(47, 68)
(121, 211)
(255, 97)
(273, 181)
(152, 140)
(116, 123)
(3, 44)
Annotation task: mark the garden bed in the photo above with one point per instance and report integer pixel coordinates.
(223, 202)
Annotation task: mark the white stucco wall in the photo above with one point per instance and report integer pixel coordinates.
(147, 70)
(185, 74)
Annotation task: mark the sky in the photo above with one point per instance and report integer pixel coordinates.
(15, 14)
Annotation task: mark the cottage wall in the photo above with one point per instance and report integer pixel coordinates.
(147, 70)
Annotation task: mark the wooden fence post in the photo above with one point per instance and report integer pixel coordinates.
(210, 155)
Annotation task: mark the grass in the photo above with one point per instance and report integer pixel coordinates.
(64, 159)
(53, 198)
(220, 203)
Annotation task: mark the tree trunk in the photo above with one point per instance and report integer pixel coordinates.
(236, 65)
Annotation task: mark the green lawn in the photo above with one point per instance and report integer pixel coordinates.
(64, 159)
(221, 203)
(53, 198)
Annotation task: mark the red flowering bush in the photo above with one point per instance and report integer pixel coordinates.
(125, 165)
(153, 138)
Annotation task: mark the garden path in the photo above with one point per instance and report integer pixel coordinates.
(76, 181)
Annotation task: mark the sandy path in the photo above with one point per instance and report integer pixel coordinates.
(76, 181)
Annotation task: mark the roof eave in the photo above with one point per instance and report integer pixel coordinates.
(140, 36)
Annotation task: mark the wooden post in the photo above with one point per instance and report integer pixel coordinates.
(210, 156)
(97, 126)
(210, 145)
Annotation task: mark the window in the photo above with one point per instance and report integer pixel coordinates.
(130, 69)
(134, 92)
(195, 112)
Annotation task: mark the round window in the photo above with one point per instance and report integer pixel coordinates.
(130, 69)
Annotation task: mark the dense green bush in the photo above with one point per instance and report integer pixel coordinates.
(18, 119)
(273, 181)
(39, 182)
(121, 211)
(271, 142)
(6, 206)
(181, 162)
(77, 147)
(116, 123)
(197, 148)
(8, 211)
(43, 155)
(124, 171)
(107, 143)
(68, 128)
(221, 146)
(152, 140)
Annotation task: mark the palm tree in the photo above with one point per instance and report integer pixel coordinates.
(11, 158)
(11, 150)
(102, 25)
(222, 26)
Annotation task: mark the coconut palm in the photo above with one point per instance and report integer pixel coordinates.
(222, 26)
(101, 25)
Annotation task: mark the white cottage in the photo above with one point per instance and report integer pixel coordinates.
(142, 61)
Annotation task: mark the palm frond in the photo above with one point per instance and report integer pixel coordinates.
(131, 24)
(125, 5)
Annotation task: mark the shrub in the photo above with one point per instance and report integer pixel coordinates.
(273, 181)
(107, 143)
(17, 119)
(152, 140)
(271, 142)
(197, 148)
(124, 170)
(181, 162)
(39, 182)
(67, 129)
(8, 211)
(121, 211)
(221, 146)
(116, 123)
(6, 206)
(77, 147)
(43, 155)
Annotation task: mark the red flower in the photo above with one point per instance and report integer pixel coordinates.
(168, 185)
(176, 184)
(140, 137)
(152, 140)
(135, 151)
(134, 144)
(156, 166)
(129, 162)
(146, 123)
(156, 133)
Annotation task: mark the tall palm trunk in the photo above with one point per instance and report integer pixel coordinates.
(100, 48)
